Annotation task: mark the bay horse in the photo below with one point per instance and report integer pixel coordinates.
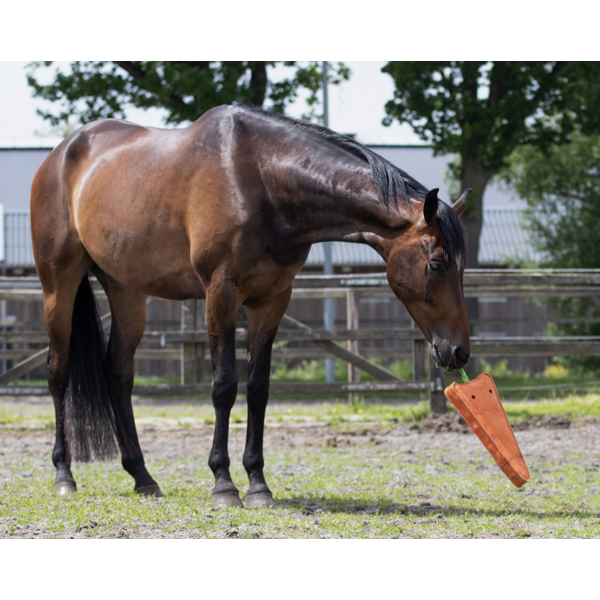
(227, 210)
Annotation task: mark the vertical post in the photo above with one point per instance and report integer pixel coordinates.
(352, 324)
(418, 356)
(329, 303)
(193, 354)
(437, 377)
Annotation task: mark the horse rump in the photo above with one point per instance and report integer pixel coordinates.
(93, 415)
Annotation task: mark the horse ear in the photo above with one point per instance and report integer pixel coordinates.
(430, 205)
(461, 203)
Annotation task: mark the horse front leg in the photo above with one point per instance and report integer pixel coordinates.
(263, 322)
(221, 312)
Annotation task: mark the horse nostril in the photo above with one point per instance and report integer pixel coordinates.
(460, 356)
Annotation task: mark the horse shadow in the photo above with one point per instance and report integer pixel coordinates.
(382, 506)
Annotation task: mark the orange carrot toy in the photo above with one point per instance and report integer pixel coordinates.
(479, 404)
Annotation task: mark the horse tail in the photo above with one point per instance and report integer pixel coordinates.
(93, 415)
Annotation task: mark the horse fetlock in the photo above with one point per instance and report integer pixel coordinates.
(254, 465)
(219, 462)
(59, 458)
(153, 490)
(137, 469)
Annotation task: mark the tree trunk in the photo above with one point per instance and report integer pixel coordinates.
(476, 176)
(258, 84)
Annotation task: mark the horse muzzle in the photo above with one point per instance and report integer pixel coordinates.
(449, 356)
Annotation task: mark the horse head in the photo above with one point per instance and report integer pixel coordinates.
(425, 269)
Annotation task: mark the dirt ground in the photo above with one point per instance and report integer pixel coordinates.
(410, 482)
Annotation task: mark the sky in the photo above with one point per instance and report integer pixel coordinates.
(355, 106)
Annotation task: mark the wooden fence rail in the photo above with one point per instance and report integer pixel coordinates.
(192, 336)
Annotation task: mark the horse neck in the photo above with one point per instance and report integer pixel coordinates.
(329, 201)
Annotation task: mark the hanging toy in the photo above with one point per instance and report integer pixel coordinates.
(479, 404)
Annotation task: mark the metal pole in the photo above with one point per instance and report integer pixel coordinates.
(325, 95)
(329, 303)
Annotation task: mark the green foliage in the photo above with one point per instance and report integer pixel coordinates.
(314, 370)
(186, 89)
(484, 110)
(562, 188)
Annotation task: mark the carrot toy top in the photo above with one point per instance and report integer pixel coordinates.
(479, 404)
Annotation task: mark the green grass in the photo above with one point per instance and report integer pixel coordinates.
(186, 414)
(321, 493)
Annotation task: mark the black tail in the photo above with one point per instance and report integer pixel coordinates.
(93, 413)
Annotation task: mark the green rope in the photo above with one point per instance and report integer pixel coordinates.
(465, 379)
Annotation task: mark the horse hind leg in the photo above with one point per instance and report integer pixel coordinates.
(59, 300)
(128, 312)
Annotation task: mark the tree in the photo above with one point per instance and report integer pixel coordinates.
(562, 188)
(101, 89)
(482, 111)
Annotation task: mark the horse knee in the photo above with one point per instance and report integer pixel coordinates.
(257, 393)
(224, 393)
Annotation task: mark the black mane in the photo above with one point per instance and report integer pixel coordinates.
(451, 232)
(390, 181)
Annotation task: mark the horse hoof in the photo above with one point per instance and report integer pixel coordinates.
(150, 490)
(225, 499)
(64, 488)
(260, 499)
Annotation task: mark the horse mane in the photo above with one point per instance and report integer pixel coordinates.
(391, 182)
(452, 234)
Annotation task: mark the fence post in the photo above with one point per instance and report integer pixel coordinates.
(418, 356)
(193, 354)
(352, 323)
(437, 377)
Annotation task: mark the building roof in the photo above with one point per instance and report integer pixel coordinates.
(432, 171)
(502, 237)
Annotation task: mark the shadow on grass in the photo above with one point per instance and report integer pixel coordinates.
(424, 509)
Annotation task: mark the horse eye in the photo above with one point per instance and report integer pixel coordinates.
(435, 266)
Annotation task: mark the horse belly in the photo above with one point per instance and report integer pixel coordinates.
(145, 250)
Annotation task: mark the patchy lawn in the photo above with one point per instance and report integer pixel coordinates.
(360, 471)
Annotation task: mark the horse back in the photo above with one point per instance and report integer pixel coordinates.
(158, 210)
